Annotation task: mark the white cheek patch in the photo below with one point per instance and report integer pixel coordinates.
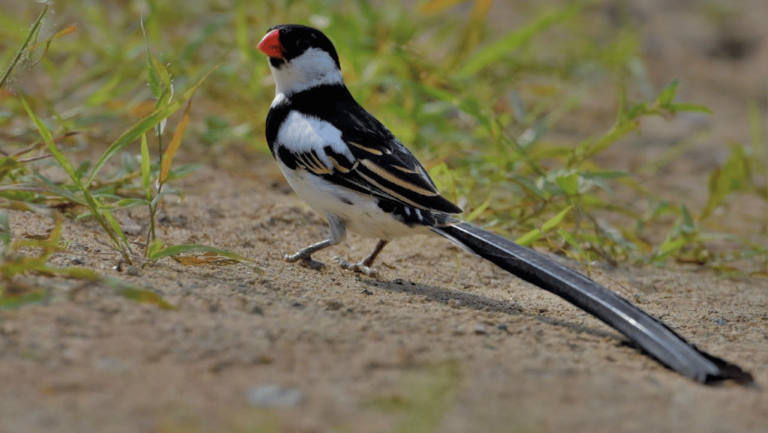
(302, 134)
(313, 68)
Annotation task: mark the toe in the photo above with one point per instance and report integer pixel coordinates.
(369, 272)
(312, 264)
(344, 264)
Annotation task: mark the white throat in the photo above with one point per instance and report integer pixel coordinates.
(313, 68)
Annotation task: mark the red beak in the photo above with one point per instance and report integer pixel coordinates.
(271, 46)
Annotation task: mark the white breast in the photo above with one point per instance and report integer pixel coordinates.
(302, 134)
(360, 212)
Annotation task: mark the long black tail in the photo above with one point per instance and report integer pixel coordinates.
(650, 334)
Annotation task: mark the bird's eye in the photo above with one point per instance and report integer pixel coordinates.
(302, 44)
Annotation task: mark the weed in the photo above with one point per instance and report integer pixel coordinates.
(479, 109)
(16, 259)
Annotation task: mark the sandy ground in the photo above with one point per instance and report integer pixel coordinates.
(441, 339)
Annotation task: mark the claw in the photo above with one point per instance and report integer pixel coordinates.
(312, 264)
(306, 262)
(357, 267)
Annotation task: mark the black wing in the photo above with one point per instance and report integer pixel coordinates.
(381, 165)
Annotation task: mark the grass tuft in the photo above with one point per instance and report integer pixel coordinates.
(491, 115)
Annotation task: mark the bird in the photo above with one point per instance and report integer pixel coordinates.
(349, 168)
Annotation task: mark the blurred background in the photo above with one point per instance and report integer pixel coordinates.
(636, 129)
(627, 135)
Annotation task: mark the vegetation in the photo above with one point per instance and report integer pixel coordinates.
(476, 106)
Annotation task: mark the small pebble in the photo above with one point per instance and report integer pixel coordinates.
(273, 395)
(479, 329)
(334, 305)
(8, 328)
(133, 271)
(111, 364)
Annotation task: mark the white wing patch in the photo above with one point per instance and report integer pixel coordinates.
(302, 134)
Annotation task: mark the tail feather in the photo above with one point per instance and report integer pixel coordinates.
(650, 334)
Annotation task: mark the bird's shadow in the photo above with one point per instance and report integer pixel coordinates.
(482, 303)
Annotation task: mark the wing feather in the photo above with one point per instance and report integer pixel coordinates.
(342, 143)
(404, 180)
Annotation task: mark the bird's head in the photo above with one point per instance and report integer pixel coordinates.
(300, 58)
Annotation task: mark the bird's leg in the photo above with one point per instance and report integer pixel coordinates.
(305, 255)
(368, 261)
(364, 266)
(338, 234)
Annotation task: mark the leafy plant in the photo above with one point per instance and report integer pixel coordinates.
(16, 259)
(27, 189)
(480, 112)
(101, 205)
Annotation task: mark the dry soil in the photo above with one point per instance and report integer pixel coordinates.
(439, 334)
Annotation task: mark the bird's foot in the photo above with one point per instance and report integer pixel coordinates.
(304, 260)
(360, 267)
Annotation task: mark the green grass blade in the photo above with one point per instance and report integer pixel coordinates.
(480, 209)
(154, 248)
(500, 49)
(92, 204)
(72, 272)
(59, 191)
(194, 248)
(146, 164)
(27, 297)
(614, 134)
(145, 125)
(555, 220)
(144, 296)
(137, 294)
(572, 242)
(529, 238)
(130, 202)
(668, 93)
(669, 247)
(28, 207)
(48, 138)
(5, 230)
(569, 182)
(536, 234)
(23, 47)
(689, 108)
(155, 87)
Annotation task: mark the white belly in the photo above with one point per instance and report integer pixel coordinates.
(363, 216)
